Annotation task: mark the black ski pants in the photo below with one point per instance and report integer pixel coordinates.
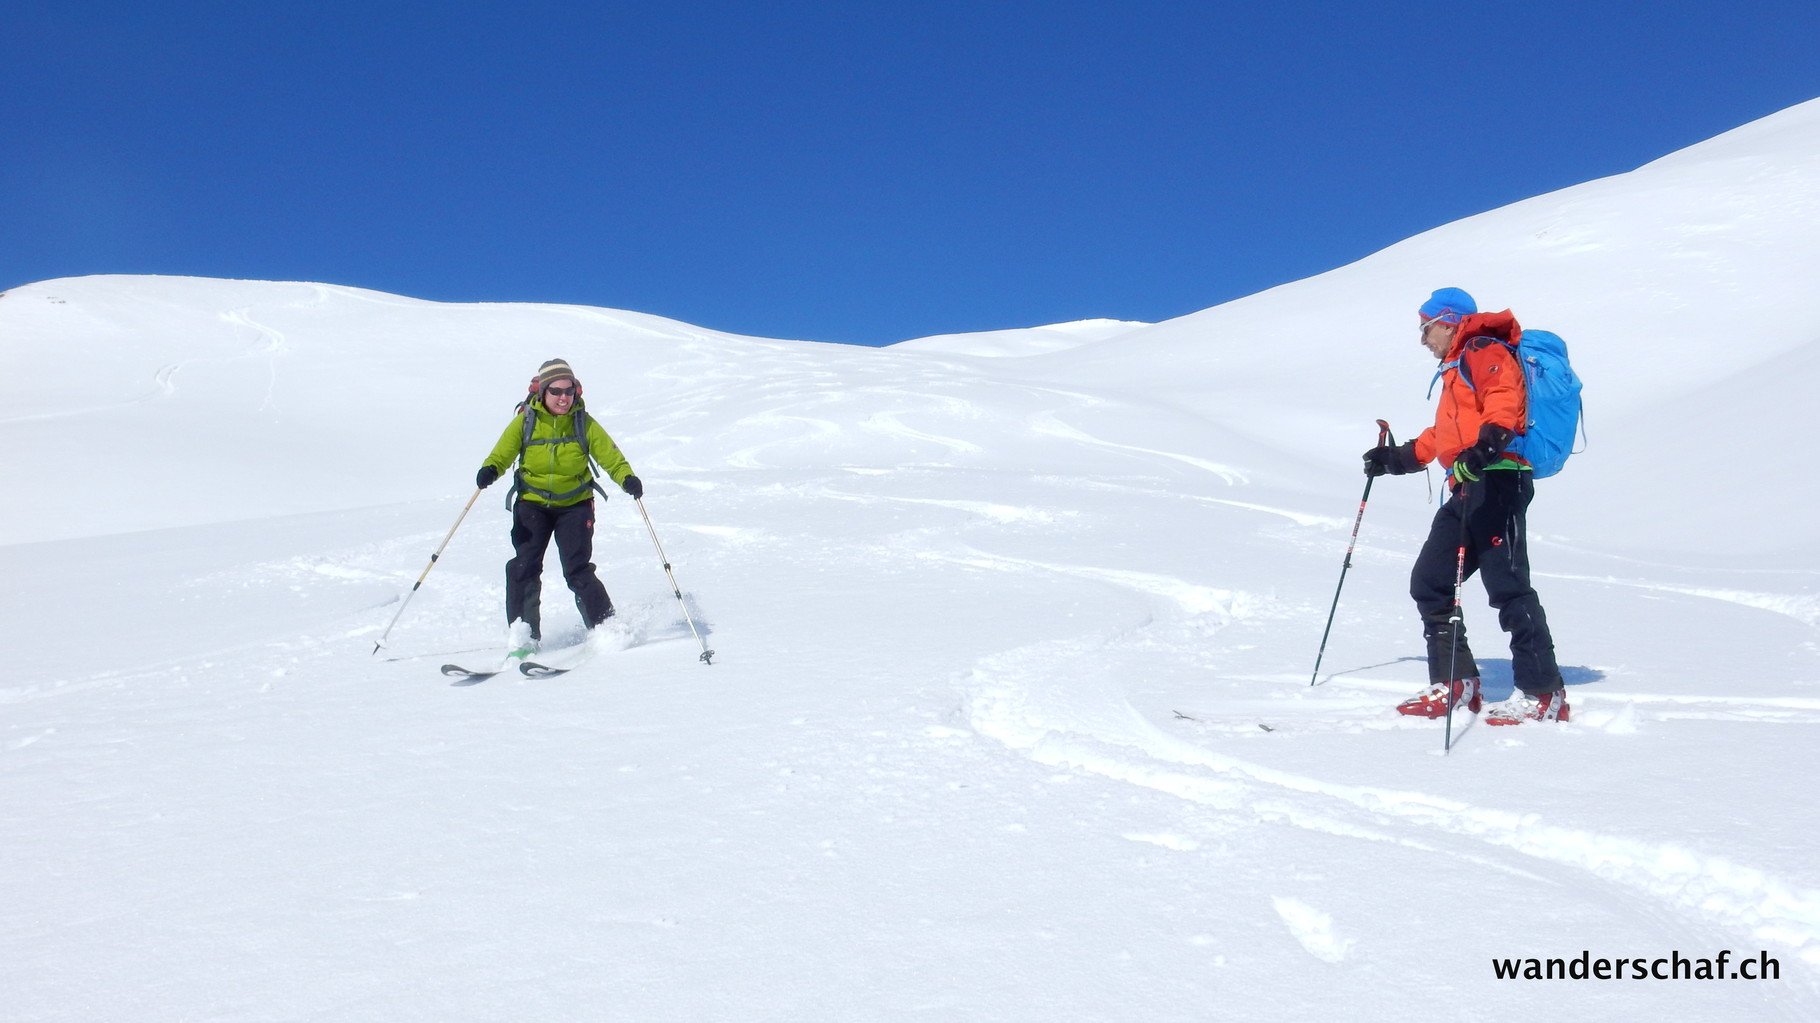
(1488, 518)
(533, 525)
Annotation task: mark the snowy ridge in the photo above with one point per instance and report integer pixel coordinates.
(1022, 341)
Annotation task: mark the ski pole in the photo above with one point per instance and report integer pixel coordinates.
(426, 568)
(1384, 438)
(1459, 621)
(707, 656)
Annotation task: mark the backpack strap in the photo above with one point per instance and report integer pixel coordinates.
(1472, 344)
(587, 457)
(578, 421)
(524, 441)
(1442, 371)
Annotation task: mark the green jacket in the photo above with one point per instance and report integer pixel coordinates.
(561, 467)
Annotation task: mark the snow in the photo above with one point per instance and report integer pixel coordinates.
(1009, 717)
(1023, 341)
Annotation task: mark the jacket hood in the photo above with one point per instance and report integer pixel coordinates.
(1502, 326)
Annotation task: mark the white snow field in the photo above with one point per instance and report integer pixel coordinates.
(1010, 715)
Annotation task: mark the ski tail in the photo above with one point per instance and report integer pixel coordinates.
(532, 669)
(560, 662)
(469, 676)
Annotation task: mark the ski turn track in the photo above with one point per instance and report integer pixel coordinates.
(1011, 700)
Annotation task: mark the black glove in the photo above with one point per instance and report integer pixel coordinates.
(633, 486)
(1393, 460)
(485, 477)
(1490, 448)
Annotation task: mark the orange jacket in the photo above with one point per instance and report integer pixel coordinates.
(1496, 394)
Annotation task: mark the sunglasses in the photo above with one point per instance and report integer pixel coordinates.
(560, 392)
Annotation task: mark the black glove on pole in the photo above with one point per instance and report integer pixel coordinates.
(1384, 442)
(1488, 449)
(1396, 460)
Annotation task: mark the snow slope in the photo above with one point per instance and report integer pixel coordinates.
(1010, 717)
(1025, 341)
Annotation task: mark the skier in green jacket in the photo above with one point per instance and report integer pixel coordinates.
(552, 439)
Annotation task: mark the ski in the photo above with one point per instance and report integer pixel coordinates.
(532, 669)
(563, 661)
(536, 669)
(470, 676)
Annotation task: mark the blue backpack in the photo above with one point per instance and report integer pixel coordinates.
(1552, 402)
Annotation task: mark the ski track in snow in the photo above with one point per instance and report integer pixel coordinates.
(1298, 517)
(164, 380)
(820, 431)
(1803, 608)
(1008, 702)
(1003, 514)
(1048, 424)
(1116, 741)
(890, 421)
(1194, 598)
(272, 344)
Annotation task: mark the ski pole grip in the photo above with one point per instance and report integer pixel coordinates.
(1384, 435)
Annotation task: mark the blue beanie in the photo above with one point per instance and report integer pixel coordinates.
(1448, 305)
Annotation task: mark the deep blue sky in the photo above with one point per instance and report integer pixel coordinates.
(849, 171)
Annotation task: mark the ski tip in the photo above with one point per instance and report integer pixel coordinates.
(531, 669)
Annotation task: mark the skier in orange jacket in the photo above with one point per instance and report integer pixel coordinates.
(1480, 412)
